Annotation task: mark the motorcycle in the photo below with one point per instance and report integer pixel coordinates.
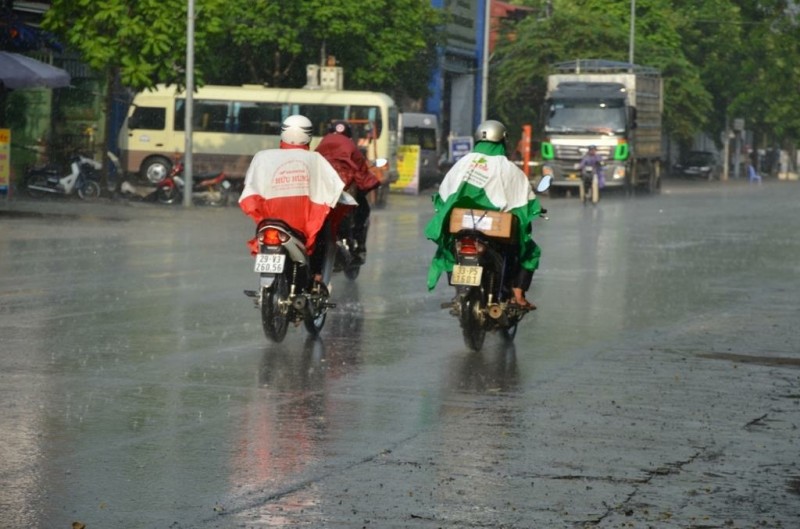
(590, 185)
(83, 179)
(349, 258)
(287, 291)
(483, 300)
(212, 190)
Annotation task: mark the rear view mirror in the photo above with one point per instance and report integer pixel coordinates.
(380, 162)
(544, 183)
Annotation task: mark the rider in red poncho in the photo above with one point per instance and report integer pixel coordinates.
(294, 185)
(344, 155)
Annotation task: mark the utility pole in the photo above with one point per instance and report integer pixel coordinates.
(632, 33)
(487, 19)
(187, 127)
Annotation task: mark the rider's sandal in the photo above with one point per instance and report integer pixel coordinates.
(524, 304)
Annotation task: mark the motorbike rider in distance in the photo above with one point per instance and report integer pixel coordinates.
(338, 147)
(595, 161)
(294, 185)
(487, 179)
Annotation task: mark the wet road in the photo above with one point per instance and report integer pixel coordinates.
(656, 386)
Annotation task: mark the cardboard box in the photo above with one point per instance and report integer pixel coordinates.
(493, 223)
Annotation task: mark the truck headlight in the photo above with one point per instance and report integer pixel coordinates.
(547, 170)
(619, 172)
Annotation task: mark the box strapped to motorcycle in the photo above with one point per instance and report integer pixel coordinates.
(497, 224)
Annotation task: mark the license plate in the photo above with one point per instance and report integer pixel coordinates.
(466, 275)
(572, 176)
(269, 263)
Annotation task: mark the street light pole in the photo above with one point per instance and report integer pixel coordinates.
(632, 32)
(187, 127)
(487, 18)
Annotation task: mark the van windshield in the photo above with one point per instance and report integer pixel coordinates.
(424, 137)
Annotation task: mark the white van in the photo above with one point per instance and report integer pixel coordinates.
(423, 130)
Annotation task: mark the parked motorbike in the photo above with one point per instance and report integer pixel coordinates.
(483, 294)
(590, 185)
(287, 291)
(82, 179)
(211, 189)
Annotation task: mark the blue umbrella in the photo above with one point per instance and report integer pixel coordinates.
(19, 71)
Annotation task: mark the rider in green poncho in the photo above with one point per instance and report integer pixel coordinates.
(486, 179)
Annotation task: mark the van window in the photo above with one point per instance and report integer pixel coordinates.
(424, 137)
(148, 118)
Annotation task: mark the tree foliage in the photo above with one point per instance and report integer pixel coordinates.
(720, 59)
(143, 40)
(379, 43)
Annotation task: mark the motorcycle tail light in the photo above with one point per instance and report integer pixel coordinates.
(272, 237)
(469, 247)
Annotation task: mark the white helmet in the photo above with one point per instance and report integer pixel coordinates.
(491, 130)
(296, 130)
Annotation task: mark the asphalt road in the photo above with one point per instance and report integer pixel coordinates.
(656, 386)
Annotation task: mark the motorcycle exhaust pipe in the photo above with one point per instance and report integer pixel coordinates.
(495, 312)
(46, 189)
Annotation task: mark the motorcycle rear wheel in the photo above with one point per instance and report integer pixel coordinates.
(89, 190)
(39, 180)
(472, 319)
(274, 317)
(314, 318)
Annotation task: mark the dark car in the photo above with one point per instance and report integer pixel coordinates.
(699, 164)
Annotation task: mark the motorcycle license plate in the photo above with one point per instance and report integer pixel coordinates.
(466, 275)
(269, 263)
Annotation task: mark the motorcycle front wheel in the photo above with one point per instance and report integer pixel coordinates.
(508, 333)
(351, 271)
(274, 310)
(315, 317)
(472, 319)
(167, 194)
(595, 190)
(217, 196)
(89, 190)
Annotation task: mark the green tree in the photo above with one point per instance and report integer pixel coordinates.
(768, 72)
(598, 29)
(381, 44)
(141, 42)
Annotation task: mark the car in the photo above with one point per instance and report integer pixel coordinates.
(699, 164)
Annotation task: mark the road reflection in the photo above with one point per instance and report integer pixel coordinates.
(493, 369)
(282, 438)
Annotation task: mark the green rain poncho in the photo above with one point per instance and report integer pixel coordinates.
(483, 179)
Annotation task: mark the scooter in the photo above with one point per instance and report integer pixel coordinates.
(590, 185)
(483, 300)
(82, 179)
(349, 256)
(287, 292)
(210, 189)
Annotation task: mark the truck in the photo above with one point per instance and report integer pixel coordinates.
(614, 106)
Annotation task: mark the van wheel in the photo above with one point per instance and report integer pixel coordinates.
(155, 169)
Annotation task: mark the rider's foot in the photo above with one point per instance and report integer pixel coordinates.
(519, 299)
